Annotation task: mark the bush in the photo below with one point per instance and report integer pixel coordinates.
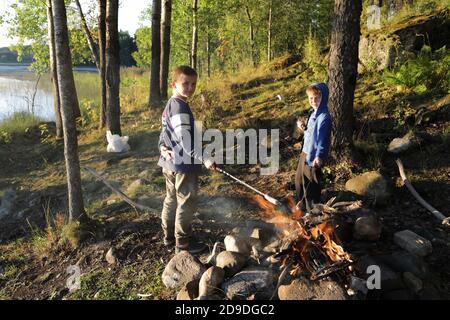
(427, 71)
(18, 122)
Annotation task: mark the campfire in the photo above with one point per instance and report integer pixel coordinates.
(310, 246)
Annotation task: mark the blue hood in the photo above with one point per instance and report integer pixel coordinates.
(324, 101)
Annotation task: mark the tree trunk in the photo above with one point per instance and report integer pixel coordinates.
(92, 45)
(343, 73)
(194, 34)
(269, 33)
(166, 16)
(102, 54)
(53, 73)
(112, 68)
(252, 36)
(208, 54)
(155, 86)
(69, 103)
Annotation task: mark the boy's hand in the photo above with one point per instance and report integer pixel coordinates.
(166, 153)
(210, 164)
(317, 163)
(301, 124)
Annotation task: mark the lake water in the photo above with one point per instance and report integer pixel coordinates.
(17, 86)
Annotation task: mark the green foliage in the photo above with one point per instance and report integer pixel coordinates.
(89, 112)
(427, 71)
(18, 122)
(144, 47)
(312, 57)
(127, 48)
(224, 28)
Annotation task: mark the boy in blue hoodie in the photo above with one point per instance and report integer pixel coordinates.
(316, 144)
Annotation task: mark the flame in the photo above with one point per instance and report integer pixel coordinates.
(292, 228)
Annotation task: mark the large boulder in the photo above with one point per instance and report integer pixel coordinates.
(381, 50)
(371, 185)
(181, 269)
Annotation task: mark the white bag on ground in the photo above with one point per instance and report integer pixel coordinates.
(117, 143)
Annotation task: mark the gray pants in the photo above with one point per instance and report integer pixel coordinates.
(179, 207)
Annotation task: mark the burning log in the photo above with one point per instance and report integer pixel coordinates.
(310, 247)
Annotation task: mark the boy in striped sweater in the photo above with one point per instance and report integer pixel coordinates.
(181, 161)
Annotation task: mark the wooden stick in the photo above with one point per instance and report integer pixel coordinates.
(444, 220)
(122, 195)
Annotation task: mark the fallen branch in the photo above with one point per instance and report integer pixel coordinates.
(444, 220)
(122, 195)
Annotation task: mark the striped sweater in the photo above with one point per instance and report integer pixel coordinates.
(178, 132)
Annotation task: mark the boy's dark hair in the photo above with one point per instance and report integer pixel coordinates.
(313, 89)
(186, 70)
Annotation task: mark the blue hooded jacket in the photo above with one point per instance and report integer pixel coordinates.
(318, 133)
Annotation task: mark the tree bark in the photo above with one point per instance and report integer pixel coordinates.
(194, 34)
(69, 103)
(166, 16)
(155, 86)
(102, 58)
(92, 45)
(252, 36)
(343, 73)
(269, 33)
(208, 54)
(112, 68)
(54, 75)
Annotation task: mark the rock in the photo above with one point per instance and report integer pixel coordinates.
(406, 262)
(251, 281)
(135, 184)
(371, 185)
(383, 50)
(429, 292)
(94, 186)
(399, 145)
(189, 291)
(144, 174)
(273, 246)
(211, 297)
(181, 269)
(237, 244)
(308, 290)
(369, 266)
(413, 243)
(111, 257)
(210, 281)
(367, 228)
(358, 287)
(7, 202)
(230, 262)
(412, 282)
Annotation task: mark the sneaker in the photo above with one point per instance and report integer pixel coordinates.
(194, 248)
